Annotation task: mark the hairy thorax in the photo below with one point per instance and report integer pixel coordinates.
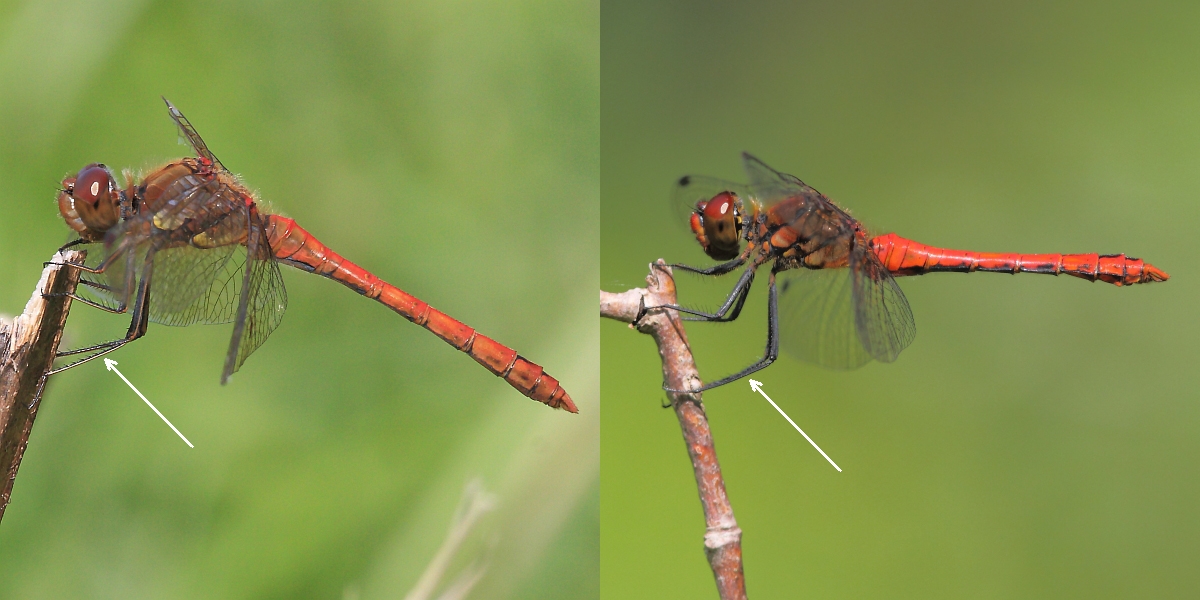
(165, 201)
(806, 232)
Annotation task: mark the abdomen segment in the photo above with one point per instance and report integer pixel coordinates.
(903, 256)
(295, 246)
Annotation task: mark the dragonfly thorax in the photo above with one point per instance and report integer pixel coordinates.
(90, 202)
(814, 234)
(717, 223)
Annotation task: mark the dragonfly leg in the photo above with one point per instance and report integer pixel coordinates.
(119, 309)
(735, 301)
(137, 328)
(99, 349)
(139, 322)
(99, 286)
(737, 309)
(769, 356)
(72, 244)
(100, 268)
(720, 269)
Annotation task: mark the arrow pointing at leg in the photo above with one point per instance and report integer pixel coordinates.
(757, 386)
(112, 366)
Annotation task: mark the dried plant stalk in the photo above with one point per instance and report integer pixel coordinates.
(722, 537)
(27, 347)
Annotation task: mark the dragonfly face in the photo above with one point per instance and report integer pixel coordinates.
(717, 223)
(90, 202)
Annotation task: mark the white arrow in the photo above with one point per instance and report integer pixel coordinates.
(757, 386)
(112, 366)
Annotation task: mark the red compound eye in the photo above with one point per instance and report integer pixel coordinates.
(93, 184)
(720, 207)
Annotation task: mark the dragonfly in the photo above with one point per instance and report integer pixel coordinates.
(190, 243)
(832, 295)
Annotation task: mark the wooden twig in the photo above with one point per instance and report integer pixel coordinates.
(27, 347)
(722, 537)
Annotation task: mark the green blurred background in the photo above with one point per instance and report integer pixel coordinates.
(1039, 438)
(453, 149)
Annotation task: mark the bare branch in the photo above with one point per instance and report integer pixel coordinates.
(27, 347)
(722, 537)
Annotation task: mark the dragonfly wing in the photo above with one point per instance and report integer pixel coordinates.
(882, 316)
(817, 318)
(262, 301)
(842, 318)
(187, 131)
(195, 285)
(770, 186)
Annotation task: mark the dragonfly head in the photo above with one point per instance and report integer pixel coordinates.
(717, 223)
(90, 202)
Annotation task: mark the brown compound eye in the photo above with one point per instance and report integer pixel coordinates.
(95, 201)
(722, 225)
(94, 184)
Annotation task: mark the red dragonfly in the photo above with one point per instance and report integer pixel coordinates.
(188, 243)
(841, 304)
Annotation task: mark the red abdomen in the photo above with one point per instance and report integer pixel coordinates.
(903, 256)
(295, 246)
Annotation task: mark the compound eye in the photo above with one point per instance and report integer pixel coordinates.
(722, 225)
(93, 184)
(721, 207)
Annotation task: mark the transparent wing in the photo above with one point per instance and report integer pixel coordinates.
(690, 189)
(267, 303)
(882, 316)
(189, 132)
(194, 285)
(843, 318)
(262, 301)
(770, 186)
(817, 318)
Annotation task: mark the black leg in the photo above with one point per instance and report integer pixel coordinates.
(772, 351)
(116, 343)
(72, 244)
(104, 264)
(138, 324)
(118, 309)
(99, 286)
(737, 309)
(720, 269)
(122, 305)
(735, 301)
